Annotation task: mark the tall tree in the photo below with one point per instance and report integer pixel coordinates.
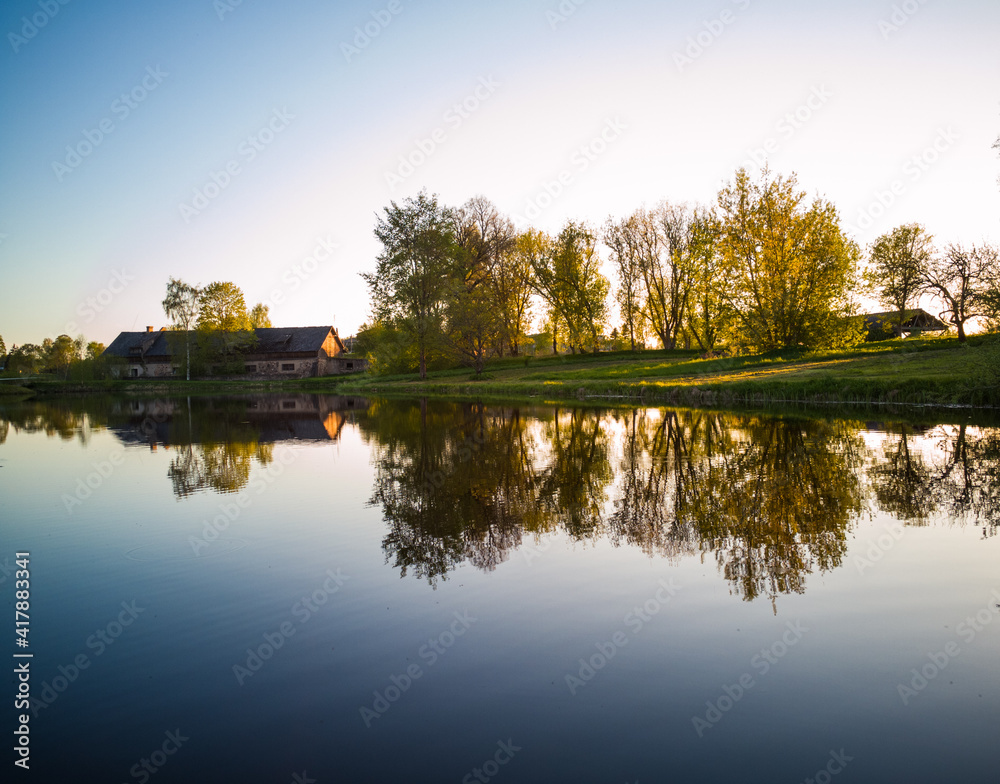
(224, 323)
(703, 320)
(3, 348)
(409, 284)
(620, 238)
(221, 306)
(898, 267)
(61, 353)
(181, 306)
(790, 269)
(567, 276)
(962, 279)
(260, 316)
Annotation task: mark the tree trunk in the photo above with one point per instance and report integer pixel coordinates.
(961, 331)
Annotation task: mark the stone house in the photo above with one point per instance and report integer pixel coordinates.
(277, 352)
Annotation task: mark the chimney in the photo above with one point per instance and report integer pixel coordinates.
(149, 329)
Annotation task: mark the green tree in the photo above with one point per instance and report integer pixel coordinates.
(260, 316)
(898, 265)
(95, 349)
(790, 270)
(61, 353)
(567, 276)
(703, 319)
(181, 306)
(621, 238)
(224, 325)
(962, 280)
(3, 348)
(413, 274)
(26, 358)
(221, 306)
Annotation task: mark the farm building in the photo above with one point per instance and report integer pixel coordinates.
(276, 352)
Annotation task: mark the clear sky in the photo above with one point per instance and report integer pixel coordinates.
(256, 141)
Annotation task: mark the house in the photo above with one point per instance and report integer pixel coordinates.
(882, 326)
(276, 352)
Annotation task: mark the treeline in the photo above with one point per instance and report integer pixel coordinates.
(67, 357)
(764, 268)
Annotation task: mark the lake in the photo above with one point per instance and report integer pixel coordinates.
(316, 588)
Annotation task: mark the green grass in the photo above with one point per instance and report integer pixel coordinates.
(917, 371)
(924, 371)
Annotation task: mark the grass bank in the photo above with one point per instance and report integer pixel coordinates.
(914, 372)
(936, 372)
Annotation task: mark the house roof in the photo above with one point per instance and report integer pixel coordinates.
(270, 340)
(890, 317)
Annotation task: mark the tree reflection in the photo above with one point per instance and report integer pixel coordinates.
(772, 500)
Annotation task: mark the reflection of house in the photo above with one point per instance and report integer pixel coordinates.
(278, 352)
(882, 326)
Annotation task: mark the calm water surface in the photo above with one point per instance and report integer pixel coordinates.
(301, 588)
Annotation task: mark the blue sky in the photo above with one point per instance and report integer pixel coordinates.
(256, 142)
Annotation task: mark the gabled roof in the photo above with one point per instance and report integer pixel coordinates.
(890, 318)
(270, 340)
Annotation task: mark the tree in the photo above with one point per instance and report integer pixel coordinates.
(962, 279)
(409, 284)
(181, 306)
(567, 276)
(3, 348)
(221, 307)
(474, 325)
(61, 353)
(26, 358)
(703, 319)
(898, 266)
(260, 316)
(95, 349)
(621, 240)
(490, 241)
(789, 269)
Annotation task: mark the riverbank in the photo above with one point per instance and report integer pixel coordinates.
(915, 372)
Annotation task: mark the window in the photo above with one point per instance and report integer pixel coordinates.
(135, 372)
(349, 366)
(249, 368)
(288, 366)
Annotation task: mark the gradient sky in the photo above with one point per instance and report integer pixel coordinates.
(586, 99)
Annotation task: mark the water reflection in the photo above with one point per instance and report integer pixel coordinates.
(770, 500)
